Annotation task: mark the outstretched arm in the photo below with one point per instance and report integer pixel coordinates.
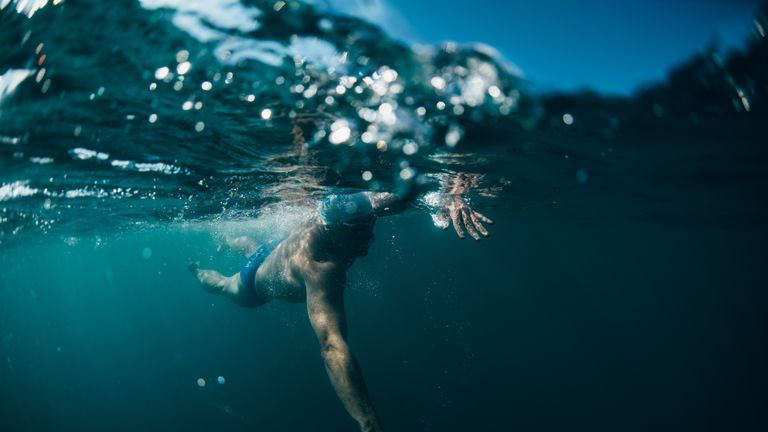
(454, 208)
(451, 206)
(325, 306)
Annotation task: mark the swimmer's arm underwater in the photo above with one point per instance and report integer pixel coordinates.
(325, 306)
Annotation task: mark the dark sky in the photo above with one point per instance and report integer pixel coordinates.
(609, 45)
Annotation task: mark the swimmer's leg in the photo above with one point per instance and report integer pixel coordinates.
(216, 283)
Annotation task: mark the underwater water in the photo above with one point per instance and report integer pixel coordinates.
(622, 286)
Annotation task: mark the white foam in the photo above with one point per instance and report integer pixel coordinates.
(17, 189)
(86, 193)
(26, 7)
(201, 19)
(11, 79)
(157, 167)
(85, 154)
(41, 160)
(315, 51)
(235, 49)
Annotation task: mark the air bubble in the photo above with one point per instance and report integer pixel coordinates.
(161, 73)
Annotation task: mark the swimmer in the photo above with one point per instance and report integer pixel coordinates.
(310, 265)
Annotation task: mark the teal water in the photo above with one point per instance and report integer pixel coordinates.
(551, 324)
(622, 287)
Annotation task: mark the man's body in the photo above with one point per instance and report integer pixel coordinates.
(311, 265)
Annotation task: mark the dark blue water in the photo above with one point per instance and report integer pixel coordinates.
(622, 287)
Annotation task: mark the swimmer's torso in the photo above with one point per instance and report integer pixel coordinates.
(277, 276)
(309, 251)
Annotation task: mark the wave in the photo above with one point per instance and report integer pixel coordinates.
(206, 109)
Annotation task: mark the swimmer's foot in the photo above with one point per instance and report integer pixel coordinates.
(211, 280)
(193, 267)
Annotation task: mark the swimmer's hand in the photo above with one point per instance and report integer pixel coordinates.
(456, 210)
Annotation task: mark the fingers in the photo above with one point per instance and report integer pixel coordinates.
(479, 226)
(482, 217)
(469, 225)
(465, 220)
(456, 223)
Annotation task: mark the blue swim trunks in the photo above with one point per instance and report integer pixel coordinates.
(248, 272)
